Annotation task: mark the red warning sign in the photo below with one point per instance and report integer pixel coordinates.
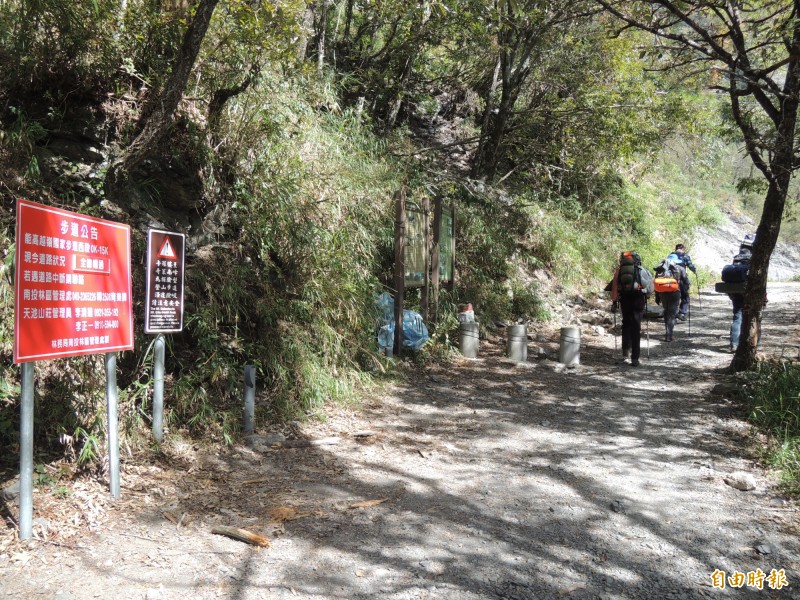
(72, 286)
(164, 283)
(167, 250)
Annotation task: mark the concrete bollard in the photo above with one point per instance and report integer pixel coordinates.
(469, 339)
(249, 398)
(569, 351)
(517, 342)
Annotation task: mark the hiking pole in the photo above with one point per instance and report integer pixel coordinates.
(697, 283)
(614, 310)
(647, 327)
(689, 314)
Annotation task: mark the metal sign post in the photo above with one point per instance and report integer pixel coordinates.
(113, 422)
(26, 454)
(158, 388)
(249, 398)
(163, 306)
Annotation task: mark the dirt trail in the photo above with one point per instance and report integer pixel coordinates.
(499, 480)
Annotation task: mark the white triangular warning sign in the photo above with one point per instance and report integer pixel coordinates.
(167, 251)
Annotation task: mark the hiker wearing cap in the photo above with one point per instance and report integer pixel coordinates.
(630, 287)
(670, 278)
(680, 257)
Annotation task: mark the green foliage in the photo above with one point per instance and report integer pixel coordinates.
(48, 477)
(6, 295)
(9, 392)
(41, 477)
(772, 400)
(18, 140)
(294, 296)
(54, 50)
(488, 228)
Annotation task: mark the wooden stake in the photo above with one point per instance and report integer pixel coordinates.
(426, 229)
(399, 268)
(435, 255)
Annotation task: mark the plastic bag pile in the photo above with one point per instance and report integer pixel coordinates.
(415, 333)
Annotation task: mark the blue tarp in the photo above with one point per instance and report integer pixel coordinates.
(415, 334)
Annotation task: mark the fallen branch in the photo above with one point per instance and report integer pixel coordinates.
(241, 535)
(287, 513)
(368, 503)
(138, 537)
(365, 433)
(307, 443)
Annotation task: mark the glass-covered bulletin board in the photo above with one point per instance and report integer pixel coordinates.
(415, 249)
(446, 246)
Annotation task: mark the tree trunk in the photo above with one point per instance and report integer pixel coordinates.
(497, 123)
(218, 100)
(224, 165)
(418, 31)
(756, 291)
(397, 102)
(514, 67)
(477, 161)
(348, 22)
(165, 104)
(305, 30)
(493, 139)
(322, 28)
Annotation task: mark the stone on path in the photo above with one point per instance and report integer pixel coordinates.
(741, 481)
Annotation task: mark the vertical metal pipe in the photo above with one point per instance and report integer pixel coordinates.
(113, 431)
(158, 388)
(249, 398)
(26, 453)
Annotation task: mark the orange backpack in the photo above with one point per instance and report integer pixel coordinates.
(666, 284)
(666, 280)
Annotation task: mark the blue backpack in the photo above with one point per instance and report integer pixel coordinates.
(737, 271)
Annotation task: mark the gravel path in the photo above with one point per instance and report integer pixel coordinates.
(480, 479)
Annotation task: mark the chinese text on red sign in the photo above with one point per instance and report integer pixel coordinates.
(72, 284)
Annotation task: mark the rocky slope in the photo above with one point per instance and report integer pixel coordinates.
(715, 247)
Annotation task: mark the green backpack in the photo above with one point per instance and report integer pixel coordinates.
(629, 280)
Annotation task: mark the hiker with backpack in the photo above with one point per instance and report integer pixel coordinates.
(670, 278)
(680, 257)
(630, 287)
(735, 275)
